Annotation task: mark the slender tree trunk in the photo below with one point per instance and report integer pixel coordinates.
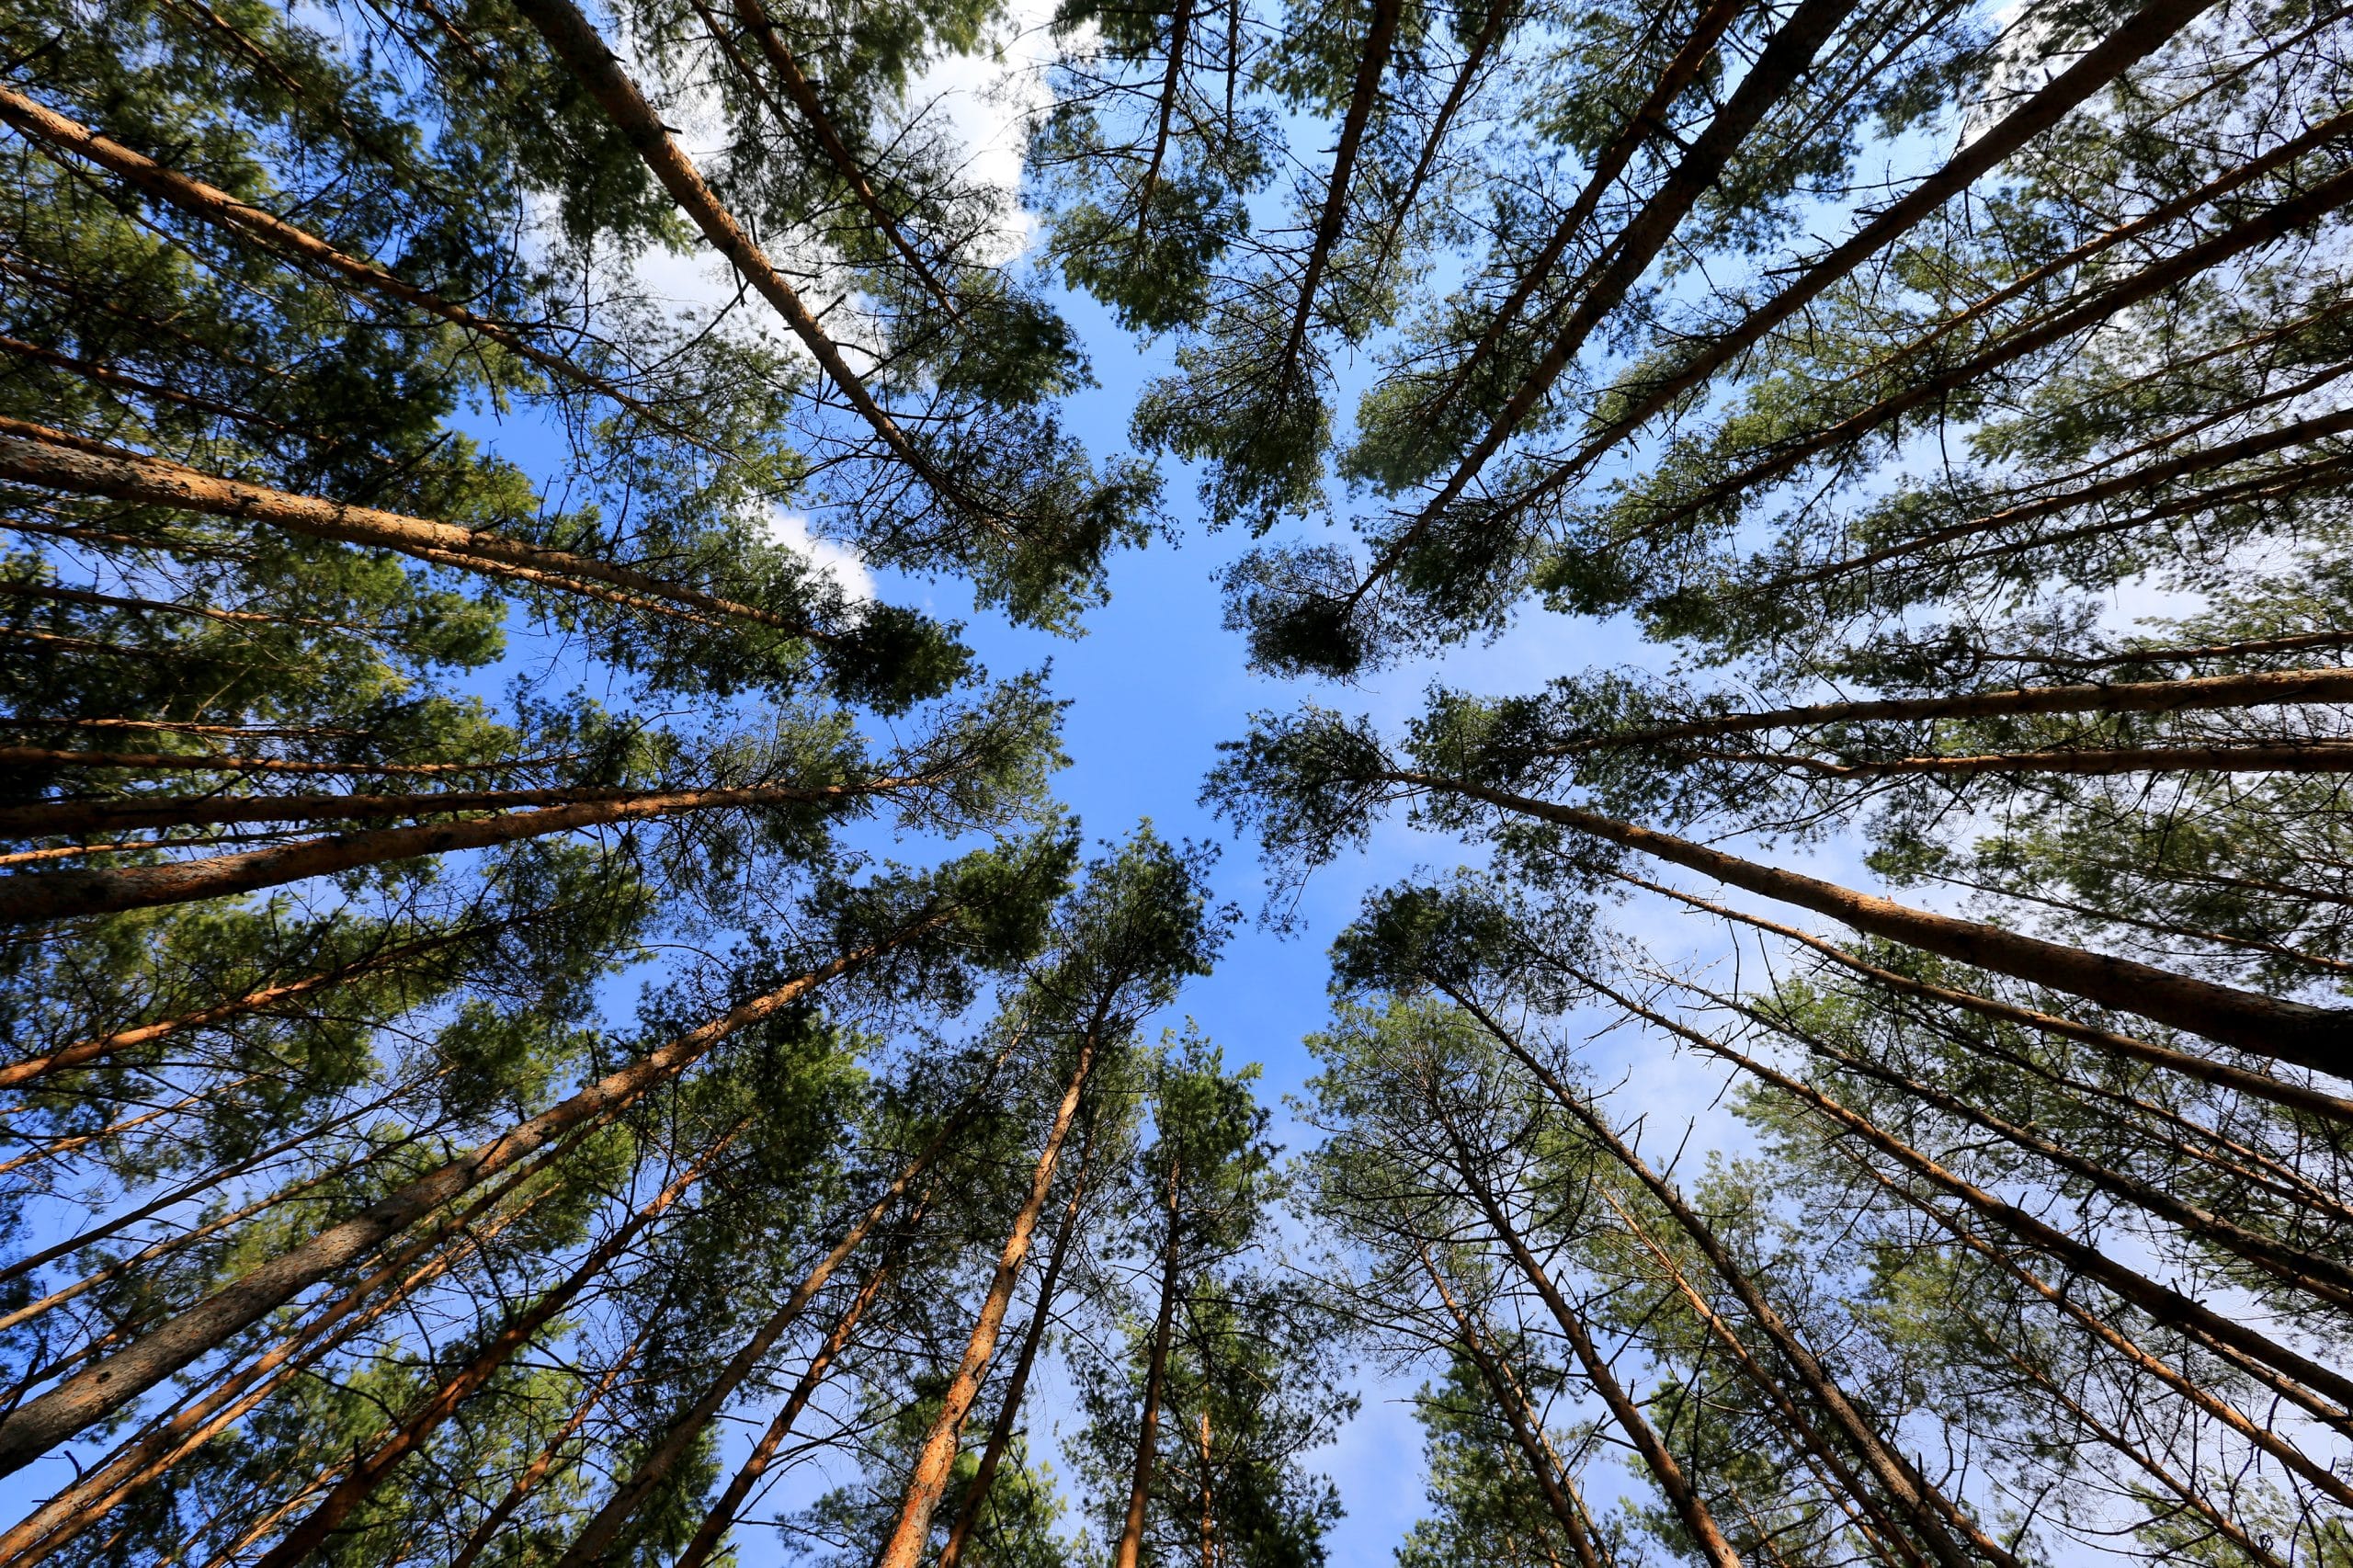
(1784, 60)
(171, 1438)
(1927, 1508)
(1209, 1495)
(2263, 689)
(81, 1052)
(1131, 1546)
(1180, 21)
(57, 895)
(367, 1473)
(2324, 1279)
(2205, 1070)
(2312, 1383)
(2119, 49)
(90, 1396)
(1567, 1509)
(2284, 756)
(36, 455)
(1372, 66)
(591, 1546)
(1687, 1502)
(1017, 1382)
(211, 205)
(797, 87)
(903, 1547)
(2317, 1038)
(544, 1462)
(722, 1514)
(1698, 45)
(576, 44)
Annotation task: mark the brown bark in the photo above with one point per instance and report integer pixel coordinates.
(591, 1546)
(912, 1530)
(1778, 68)
(722, 1514)
(798, 88)
(1551, 1478)
(1474, 60)
(172, 1437)
(582, 51)
(89, 1396)
(1130, 1543)
(1647, 122)
(2130, 1351)
(2121, 48)
(1927, 1508)
(206, 762)
(1366, 92)
(1017, 1382)
(368, 1472)
(2163, 1303)
(544, 1462)
(2295, 1097)
(2317, 1038)
(1180, 21)
(51, 460)
(2324, 1278)
(1672, 1481)
(2286, 217)
(2148, 476)
(59, 895)
(1856, 1499)
(2258, 689)
(2288, 756)
(81, 1052)
(211, 205)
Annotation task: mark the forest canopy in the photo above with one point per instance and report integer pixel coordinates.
(553, 1009)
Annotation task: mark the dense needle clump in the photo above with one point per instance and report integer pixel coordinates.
(546, 1025)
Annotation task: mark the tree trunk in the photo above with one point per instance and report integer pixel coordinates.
(576, 42)
(212, 205)
(543, 1464)
(2222, 1074)
(58, 896)
(35, 455)
(722, 1517)
(1567, 1510)
(2318, 1384)
(1131, 1546)
(2121, 47)
(366, 1474)
(39, 1425)
(81, 1052)
(1688, 1503)
(2261, 689)
(1370, 66)
(590, 1547)
(1927, 1508)
(2317, 1038)
(903, 1547)
(1017, 1382)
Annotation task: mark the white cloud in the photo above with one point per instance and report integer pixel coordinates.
(838, 562)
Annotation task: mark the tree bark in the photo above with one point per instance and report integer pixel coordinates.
(543, 1464)
(36, 455)
(59, 895)
(2161, 1302)
(1567, 1510)
(1017, 1382)
(903, 1547)
(2317, 1038)
(95, 1392)
(217, 207)
(722, 1517)
(1366, 92)
(1131, 1544)
(368, 1473)
(1688, 1505)
(1928, 1508)
(2261, 689)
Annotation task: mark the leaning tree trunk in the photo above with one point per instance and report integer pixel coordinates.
(1130, 1545)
